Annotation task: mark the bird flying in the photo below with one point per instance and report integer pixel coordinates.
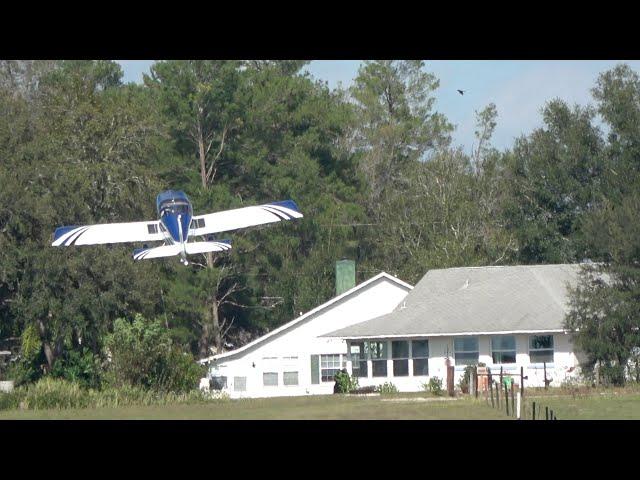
(175, 226)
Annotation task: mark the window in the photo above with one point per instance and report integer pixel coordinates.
(197, 223)
(218, 383)
(400, 355)
(152, 228)
(541, 348)
(240, 384)
(420, 355)
(465, 350)
(503, 349)
(290, 378)
(329, 366)
(358, 359)
(270, 379)
(379, 354)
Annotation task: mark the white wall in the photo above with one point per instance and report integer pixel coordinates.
(302, 341)
(565, 363)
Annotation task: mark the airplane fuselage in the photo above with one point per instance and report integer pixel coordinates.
(175, 213)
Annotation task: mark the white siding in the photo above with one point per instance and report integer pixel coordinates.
(303, 340)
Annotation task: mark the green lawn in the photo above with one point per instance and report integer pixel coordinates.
(610, 405)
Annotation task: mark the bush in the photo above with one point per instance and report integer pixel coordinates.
(22, 372)
(82, 367)
(434, 386)
(142, 354)
(345, 383)
(465, 380)
(386, 388)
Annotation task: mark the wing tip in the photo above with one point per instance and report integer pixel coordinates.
(60, 231)
(290, 205)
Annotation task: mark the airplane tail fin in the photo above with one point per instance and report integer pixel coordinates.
(156, 252)
(203, 247)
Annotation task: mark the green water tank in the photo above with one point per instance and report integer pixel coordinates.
(345, 276)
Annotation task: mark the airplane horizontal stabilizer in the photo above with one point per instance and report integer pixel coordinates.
(203, 247)
(156, 252)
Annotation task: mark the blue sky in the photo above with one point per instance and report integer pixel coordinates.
(518, 88)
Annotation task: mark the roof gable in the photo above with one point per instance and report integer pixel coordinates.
(308, 316)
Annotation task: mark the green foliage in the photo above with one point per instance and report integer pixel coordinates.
(386, 388)
(50, 393)
(31, 344)
(141, 354)
(465, 380)
(346, 383)
(434, 386)
(79, 366)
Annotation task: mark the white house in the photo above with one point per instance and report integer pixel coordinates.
(507, 317)
(295, 359)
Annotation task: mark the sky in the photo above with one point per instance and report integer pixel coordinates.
(519, 89)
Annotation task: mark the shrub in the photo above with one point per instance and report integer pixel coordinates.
(386, 388)
(465, 380)
(143, 355)
(434, 386)
(82, 367)
(345, 383)
(22, 372)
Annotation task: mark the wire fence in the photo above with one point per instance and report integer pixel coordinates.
(506, 392)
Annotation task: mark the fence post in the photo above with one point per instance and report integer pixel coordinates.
(475, 380)
(522, 382)
(534, 411)
(546, 413)
(518, 398)
(546, 385)
(513, 402)
(471, 386)
(491, 391)
(506, 399)
(498, 396)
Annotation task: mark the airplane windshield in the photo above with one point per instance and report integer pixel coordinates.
(177, 208)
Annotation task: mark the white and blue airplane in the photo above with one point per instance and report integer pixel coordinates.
(176, 225)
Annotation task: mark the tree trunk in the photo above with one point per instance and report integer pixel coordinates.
(211, 328)
(202, 155)
(48, 350)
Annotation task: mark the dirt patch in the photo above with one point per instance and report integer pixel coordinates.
(421, 399)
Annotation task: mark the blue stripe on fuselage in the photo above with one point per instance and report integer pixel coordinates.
(170, 221)
(171, 205)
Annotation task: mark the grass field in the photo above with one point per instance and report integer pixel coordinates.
(601, 405)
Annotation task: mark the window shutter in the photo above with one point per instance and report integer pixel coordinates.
(315, 369)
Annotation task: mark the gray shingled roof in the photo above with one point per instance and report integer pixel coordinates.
(477, 300)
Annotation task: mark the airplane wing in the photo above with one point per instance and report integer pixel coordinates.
(108, 233)
(229, 220)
